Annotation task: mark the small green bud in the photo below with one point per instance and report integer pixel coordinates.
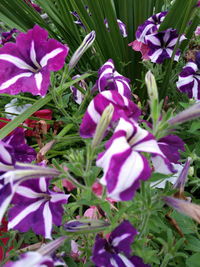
(103, 125)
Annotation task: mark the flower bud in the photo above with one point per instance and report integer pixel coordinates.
(87, 42)
(151, 86)
(185, 207)
(85, 225)
(190, 113)
(103, 125)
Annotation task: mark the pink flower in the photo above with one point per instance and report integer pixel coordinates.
(91, 213)
(142, 48)
(197, 31)
(69, 186)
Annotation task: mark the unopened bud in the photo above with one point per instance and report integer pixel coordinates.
(151, 86)
(190, 113)
(87, 42)
(185, 207)
(85, 225)
(103, 125)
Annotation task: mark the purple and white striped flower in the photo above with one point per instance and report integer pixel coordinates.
(161, 45)
(151, 25)
(123, 107)
(115, 252)
(122, 27)
(124, 167)
(25, 65)
(14, 173)
(77, 95)
(36, 207)
(110, 79)
(189, 80)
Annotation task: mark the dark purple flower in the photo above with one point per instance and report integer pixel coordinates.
(123, 107)
(189, 79)
(151, 25)
(161, 45)
(116, 251)
(122, 156)
(25, 65)
(21, 151)
(110, 79)
(7, 36)
(36, 207)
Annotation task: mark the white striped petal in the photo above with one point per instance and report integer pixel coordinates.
(52, 54)
(154, 40)
(154, 57)
(14, 79)
(58, 197)
(195, 89)
(113, 262)
(19, 63)
(27, 192)
(184, 80)
(29, 209)
(6, 203)
(126, 261)
(47, 216)
(118, 239)
(43, 184)
(149, 146)
(93, 113)
(127, 176)
(38, 79)
(120, 87)
(33, 55)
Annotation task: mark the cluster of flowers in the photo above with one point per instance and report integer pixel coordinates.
(26, 187)
(156, 46)
(123, 164)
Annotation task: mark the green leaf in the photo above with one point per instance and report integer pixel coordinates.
(193, 261)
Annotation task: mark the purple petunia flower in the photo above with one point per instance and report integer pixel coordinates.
(25, 65)
(151, 25)
(123, 107)
(110, 79)
(36, 207)
(122, 163)
(189, 79)
(161, 45)
(116, 251)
